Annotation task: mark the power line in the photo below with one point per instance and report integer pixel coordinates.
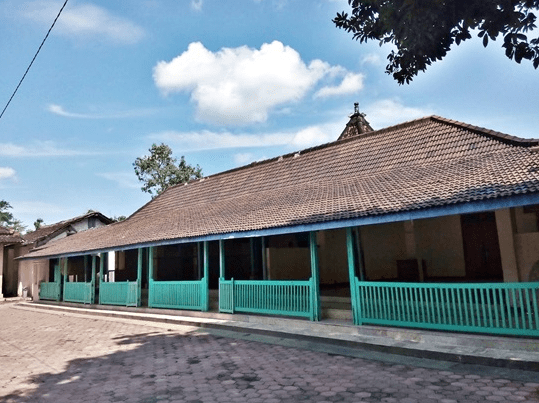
(34, 58)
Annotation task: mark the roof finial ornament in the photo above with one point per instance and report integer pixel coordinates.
(356, 125)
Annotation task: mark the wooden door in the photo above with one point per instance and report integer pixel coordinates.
(481, 247)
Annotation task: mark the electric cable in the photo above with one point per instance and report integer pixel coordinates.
(34, 58)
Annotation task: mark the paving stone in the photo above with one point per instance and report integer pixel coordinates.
(70, 358)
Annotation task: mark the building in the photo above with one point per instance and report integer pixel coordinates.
(27, 274)
(431, 223)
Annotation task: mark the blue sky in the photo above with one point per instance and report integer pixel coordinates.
(222, 83)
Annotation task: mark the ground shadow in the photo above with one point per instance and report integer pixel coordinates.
(149, 367)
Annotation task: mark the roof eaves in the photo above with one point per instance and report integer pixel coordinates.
(452, 208)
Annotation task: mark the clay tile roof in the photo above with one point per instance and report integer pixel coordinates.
(51, 230)
(428, 162)
(8, 236)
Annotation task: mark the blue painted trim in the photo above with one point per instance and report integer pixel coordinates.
(432, 212)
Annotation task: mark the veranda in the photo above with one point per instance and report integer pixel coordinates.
(456, 273)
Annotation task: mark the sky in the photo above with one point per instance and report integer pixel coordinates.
(222, 83)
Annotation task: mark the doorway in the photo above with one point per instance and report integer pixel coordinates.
(481, 247)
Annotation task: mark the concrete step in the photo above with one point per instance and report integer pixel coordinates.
(338, 314)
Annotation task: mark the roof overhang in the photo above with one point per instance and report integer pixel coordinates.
(433, 212)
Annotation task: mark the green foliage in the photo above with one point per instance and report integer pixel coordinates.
(118, 218)
(17, 226)
(160, 170)
(424, 30)
(38, 223)
(6, 218)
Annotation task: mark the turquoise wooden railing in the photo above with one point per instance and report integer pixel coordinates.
(119, 293)
(49, 290)
(177, 294)
(291, 298)
(226, 296)
(78, 292)
(500, 308)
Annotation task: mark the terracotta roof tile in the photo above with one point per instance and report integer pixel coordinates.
(415, 165)
(47, 230)
(8, 236)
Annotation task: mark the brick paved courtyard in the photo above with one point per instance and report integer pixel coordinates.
(52, 357)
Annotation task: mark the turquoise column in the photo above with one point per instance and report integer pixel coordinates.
(92, 283)
(150, 276)
(205, 280)
(200, 260)
(139, 275)
(264, 263)
(102, 258)
(315, 278)
(360, 255)
(226, 291)
(57, 279)
(221, 259)
(65, 277)
(252, 250)
(352, 276)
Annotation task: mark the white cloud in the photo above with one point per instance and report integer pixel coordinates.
(84, 20)
(351, 83)
(314, 135)
(196, 5)
(7, 173)
(60, 111)
(372, 58)
(387, 112)
(123, 179)
(237, 86)
(208, 140)
(244, 158)
(40, 149)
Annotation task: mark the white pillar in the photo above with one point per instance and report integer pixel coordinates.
(111, 256)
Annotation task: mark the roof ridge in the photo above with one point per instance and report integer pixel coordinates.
(506, 138)
(73, 219)
(304, 151)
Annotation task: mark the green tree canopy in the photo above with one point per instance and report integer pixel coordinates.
(6, 217)
(38, 223)
(424, 30)
(118, 218)
(160, 169)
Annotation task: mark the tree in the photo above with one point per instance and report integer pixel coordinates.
(38, 223)
(17, 226)
(424, 30)
(6, 217)
(159, 170)
(118, 218)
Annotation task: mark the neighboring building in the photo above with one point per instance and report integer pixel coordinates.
(27, 274)
(7, 237)
(416, 224)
